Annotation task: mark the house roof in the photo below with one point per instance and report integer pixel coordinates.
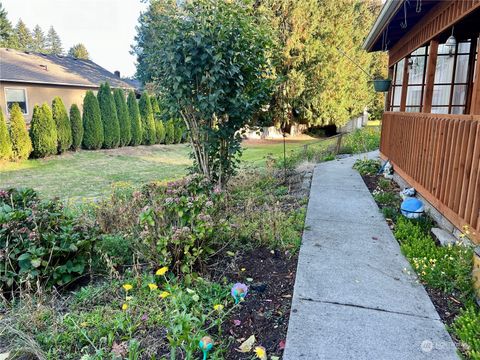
(26, 67)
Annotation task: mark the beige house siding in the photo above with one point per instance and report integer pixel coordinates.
(40, 93)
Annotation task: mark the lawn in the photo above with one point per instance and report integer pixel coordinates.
(91, 173)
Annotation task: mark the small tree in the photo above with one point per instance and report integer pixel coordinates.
(149, 135)
(135, 122)
(92, 123)
(77, 127)
(111, 127)
(160, 130)
(123, 117)
(21, 143)
(79, 51)
(5, 142)
(43, 131)
(179, 130)
(62, 122)
(170, 132)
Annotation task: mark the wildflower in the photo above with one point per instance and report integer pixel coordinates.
(84, 324)
(128, 298)
(162, 271)
(124, 306)
(127, 287)
(218, 307)
(260, 352)
(243, 269)
(164, 294)
(153, 286)
(239, 291)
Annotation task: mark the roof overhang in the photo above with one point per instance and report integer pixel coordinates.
(74, 85)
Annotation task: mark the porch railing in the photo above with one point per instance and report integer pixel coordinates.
(439, 155)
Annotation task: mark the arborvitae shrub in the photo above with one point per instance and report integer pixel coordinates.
(155, 107)
(43, 131)
(92, 123)
(160, 130)
(170, 132)
(179, 130)
(5, 142)
(111, 127)
(21, 143)
(135, 122)
(149, 135)
(77, 127)
(62, 122)
(123, 117)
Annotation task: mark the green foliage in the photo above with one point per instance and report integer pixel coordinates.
(170, 132)
(54, 43)
(160, 131)
(155, 107)
(41, 241)
(361, 140)
(38, 40)
(22, 38)
(123, 117)
(43, 131)
(467, 329)
(92, 123)
(5, 142)
(111, 126)
(179, 131)
(79, 51)
(6, 30)
(135, 121)
(21, 143)
(367, 166)
(149, 135)
(214, 81)
(77, 127)
(64, 128)
(387, 199)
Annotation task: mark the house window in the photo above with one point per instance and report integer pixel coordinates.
(417, 65)
(451, 79)
(396, 90)
(18, 96)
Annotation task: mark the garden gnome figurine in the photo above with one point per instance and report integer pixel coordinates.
(205, 344)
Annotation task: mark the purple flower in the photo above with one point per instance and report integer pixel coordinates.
(239, 291)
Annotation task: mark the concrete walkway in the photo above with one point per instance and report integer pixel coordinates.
(353, 299)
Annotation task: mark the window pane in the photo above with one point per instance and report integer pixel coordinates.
(458, 110)
(399, 77)
(16, 96)
(397, 96)
(395, 108)
(462, 69)
(419, 51)
(464, 47)
(459, 94)
(444, 69)
(412, 108)
(441, 95)
(414, 95)
(416, 70)
(440, 110)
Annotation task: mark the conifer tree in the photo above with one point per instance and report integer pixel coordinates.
(21, 143)
(77, 127)
(38, 40)
(62, 122)
(79, 51)
(43, 131)
(160, 131)
(123, 117)
(6, 30)
(92, 123)
(169, 132)
(22, 37)
(111, 127)
(54, 43)
(5, 142)
(149, 135)
(135, 121)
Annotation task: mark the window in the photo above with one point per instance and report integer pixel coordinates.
(19, 96)
(396, 90)
(417, 66)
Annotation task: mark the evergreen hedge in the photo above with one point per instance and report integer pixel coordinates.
(123, 117)
(77, 127)
(5, 142)
(170, 132)
(149, 135)
(155, 107)
(43, 131)
(135, 122)
(62, 122)
(111, 127)
(21, 143)
(160, 131)
(179, 130)
(92, 123)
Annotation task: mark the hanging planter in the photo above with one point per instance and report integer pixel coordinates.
(381, 85)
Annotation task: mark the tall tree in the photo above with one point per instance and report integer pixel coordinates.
(54, 43)
(39, 42)
(149, 135)
(22, 37)
(135, 121)
(123, 117)
(92, 123)
(6, 30)
(43, 131)
(79, 51)
(77, 127)
(111, 127)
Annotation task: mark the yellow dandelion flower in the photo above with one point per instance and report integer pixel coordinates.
(124, 307)
(162, 271)
(261, 352)
(153, 286)
(164, 294)
(127, 287)
(218, 307)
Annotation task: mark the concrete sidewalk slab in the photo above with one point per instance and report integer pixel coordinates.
(352, 298)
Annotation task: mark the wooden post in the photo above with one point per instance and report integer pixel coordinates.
(339, 144)
(430, 77)
(403, 99)
(475, 105)
(388, 95)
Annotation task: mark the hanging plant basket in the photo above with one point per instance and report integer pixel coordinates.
(381, 85)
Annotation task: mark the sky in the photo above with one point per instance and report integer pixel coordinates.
(106, 27)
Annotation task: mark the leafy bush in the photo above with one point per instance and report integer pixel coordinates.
(367, 166)
(77, 127)
(361, 140)
(149, 135)
(160, 130)
(92, 123)
(386, 199)
(467, 330)
(179, 131)
(42, 243)
(21, 142)
(43, 131)
(135, 121)
(123, 117)
(111, 127)
(5, 142)
(170, 132)
(63, 126)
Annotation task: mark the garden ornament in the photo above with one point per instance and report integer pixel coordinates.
(239, 291)
(205, 344)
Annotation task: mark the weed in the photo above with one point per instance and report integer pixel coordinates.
(367, 166)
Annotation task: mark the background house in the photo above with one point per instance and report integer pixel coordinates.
(30, 78)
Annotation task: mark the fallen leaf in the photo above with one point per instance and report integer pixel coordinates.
(120, 350)
(274, 358)
(281, 344)
(230, 253)
(247, 345)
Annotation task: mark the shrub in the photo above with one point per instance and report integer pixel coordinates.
(123, 117)
(43, 131)
(21, 142)
(149, 135)
(361, 140)
(111, 127)
(179, 131)
(77, 127)
(41, 242)
(5, 142)
(160, 130)
(63, 126)
(367, 166)
(170, 132)
(135, 121)
(155, 107)
(92, 123)
(467, 330)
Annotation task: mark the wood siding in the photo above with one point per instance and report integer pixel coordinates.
(439, 155)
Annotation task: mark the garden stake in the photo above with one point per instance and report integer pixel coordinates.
(206, 344)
